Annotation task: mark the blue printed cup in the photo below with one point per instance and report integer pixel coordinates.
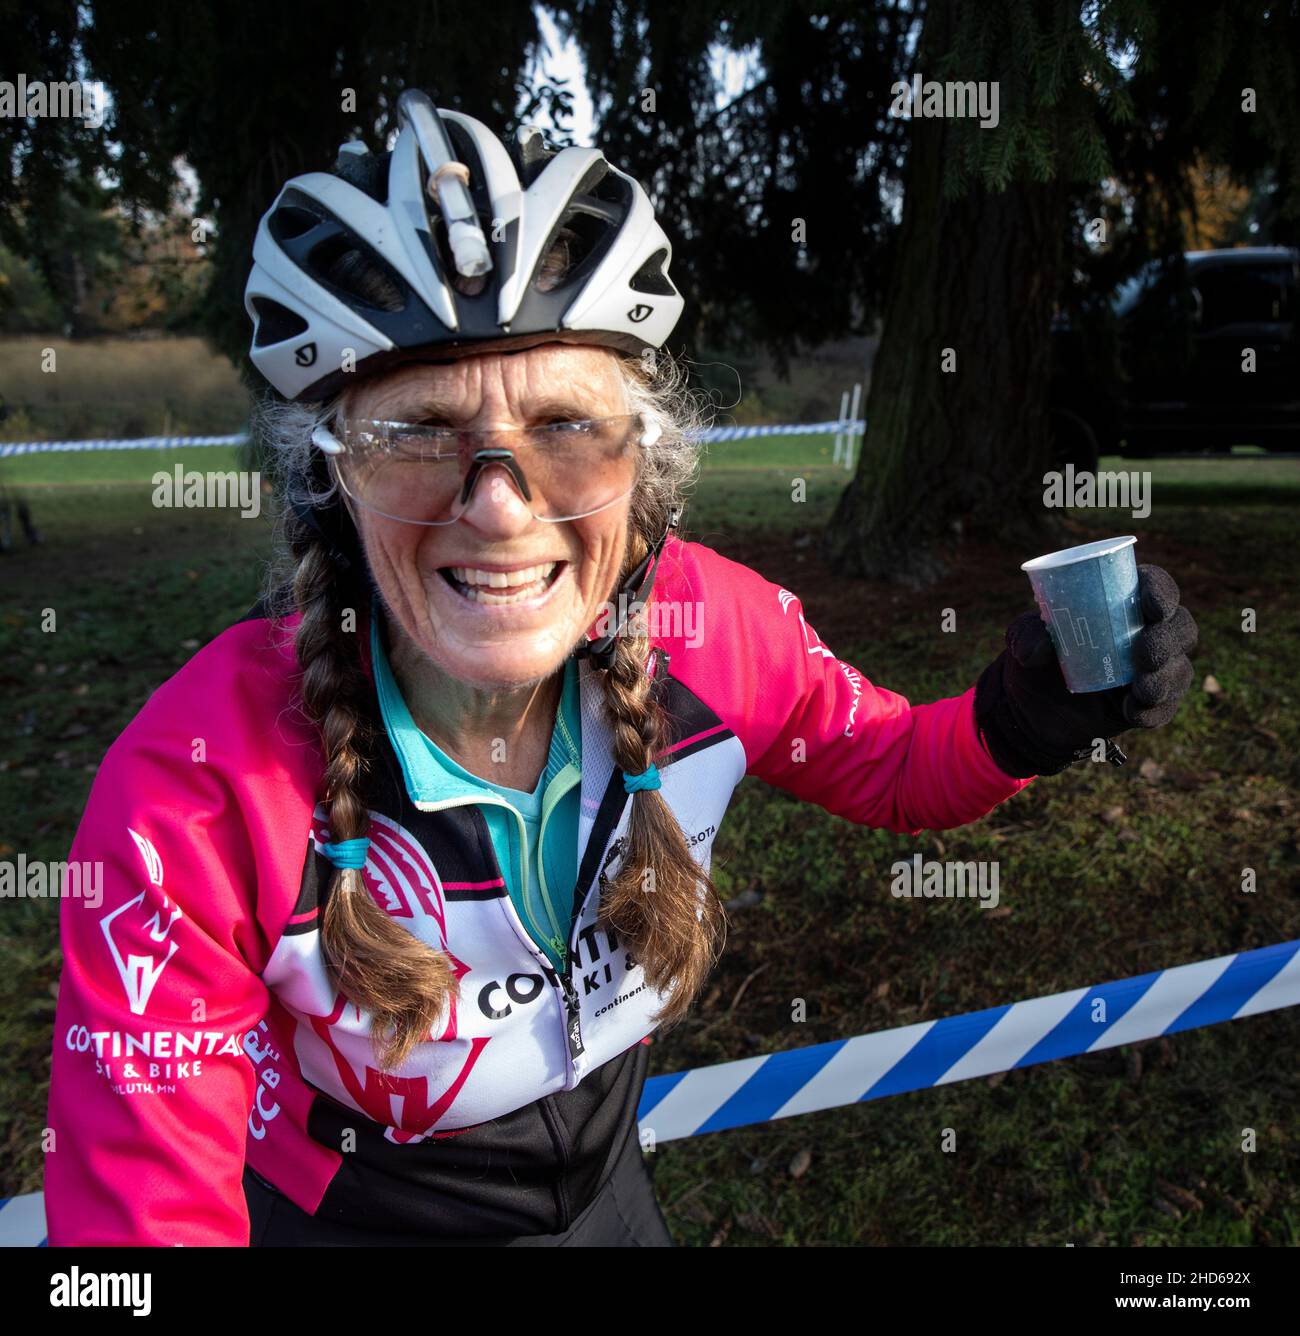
(1088, 599)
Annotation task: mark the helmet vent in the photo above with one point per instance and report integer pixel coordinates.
(651, 277)
(367, 171)
(351, 271)
(275, 323)
(289, 221)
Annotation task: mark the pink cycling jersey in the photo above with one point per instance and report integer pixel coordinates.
(198, 1031)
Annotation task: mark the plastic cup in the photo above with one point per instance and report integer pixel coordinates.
(1088, 599)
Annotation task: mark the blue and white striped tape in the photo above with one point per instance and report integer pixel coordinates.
(140, 443)
(709, 436)
(713, 434)
(850, 1071)
(913, 1057)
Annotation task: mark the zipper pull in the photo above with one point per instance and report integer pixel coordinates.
(573, 1024)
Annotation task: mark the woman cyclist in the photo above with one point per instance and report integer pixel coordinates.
(402, 870)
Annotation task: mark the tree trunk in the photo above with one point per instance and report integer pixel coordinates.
(953, 452)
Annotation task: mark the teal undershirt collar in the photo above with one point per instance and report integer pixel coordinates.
(544, 902)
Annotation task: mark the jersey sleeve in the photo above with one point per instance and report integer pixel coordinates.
(812, 724)
(828, 735)
(150, 1086)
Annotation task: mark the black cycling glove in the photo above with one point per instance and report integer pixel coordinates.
(1032, 725)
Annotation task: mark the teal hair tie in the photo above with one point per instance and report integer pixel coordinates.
(347, 853)
(647, 779)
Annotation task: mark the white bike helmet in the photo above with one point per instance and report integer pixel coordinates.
(441, 243)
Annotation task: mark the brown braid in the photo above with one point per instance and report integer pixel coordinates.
(661, 903)
(374, 961)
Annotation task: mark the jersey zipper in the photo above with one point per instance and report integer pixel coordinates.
(557, 942)
(562, 980)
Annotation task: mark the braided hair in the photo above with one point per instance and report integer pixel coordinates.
(660, 902)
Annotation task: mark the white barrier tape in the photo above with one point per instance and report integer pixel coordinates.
(8, 448)
(709, 436)
(932, 1053)
(1084, 1020)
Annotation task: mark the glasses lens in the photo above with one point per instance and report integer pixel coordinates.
(402, 471)
(575, 468)
(418, 474)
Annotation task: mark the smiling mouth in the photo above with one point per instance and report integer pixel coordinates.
(500, 588)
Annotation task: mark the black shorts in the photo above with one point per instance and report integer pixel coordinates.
(623, 1214)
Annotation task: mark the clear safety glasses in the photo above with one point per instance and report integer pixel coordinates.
(427, 475)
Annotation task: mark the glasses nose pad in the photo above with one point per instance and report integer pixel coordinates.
(482, 463)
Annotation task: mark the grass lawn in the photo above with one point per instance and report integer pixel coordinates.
(1104, 873)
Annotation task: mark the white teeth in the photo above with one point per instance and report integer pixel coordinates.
(502, 579)
(491, 586)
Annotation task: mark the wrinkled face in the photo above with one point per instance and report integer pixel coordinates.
(485, 642)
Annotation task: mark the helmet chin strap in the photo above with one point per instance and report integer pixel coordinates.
(636, 588)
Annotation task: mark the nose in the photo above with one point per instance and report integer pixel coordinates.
(496, 506)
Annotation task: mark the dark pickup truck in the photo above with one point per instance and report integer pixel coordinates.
(1167, 369)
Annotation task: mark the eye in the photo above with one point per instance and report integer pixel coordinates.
(567, 423)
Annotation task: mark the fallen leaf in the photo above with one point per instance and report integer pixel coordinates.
(800, 1164)
(1230, 1204)
(1211, 685)
(1180, 1196)
(757, 1223)
(882, 989)
(1152, 771)
(697, 1213)
(1113, 815)
(1001, 912)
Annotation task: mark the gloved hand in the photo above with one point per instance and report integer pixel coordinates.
(1032, 725)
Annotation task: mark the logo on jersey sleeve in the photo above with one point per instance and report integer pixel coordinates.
(139, 932)
(813, 645)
